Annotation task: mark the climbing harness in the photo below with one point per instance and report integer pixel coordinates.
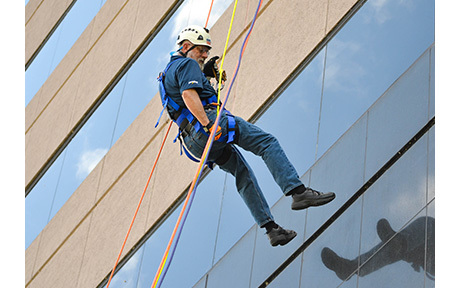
(185, 119)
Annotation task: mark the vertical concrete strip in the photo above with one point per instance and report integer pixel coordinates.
(42, 18)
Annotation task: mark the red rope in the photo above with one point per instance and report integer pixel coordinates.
(139, 205)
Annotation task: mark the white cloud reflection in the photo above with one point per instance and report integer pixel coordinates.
(195, 12)
(88, 160)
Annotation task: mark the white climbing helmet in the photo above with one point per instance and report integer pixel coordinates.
(197, 35)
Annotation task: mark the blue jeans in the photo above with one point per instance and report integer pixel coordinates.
(254, 139)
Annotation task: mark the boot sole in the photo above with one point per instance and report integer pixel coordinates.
(304, 204)
(283, 242)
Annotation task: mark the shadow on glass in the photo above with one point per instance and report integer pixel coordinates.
(408, 245)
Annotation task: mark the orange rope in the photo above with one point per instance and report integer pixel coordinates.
(209, 13)
(196, 178)
(139, 205)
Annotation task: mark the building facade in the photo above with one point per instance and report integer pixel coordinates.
(347, 87)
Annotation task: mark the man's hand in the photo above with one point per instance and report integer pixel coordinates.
(209, 130)
(210, 69)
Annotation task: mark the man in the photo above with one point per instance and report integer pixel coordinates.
(191, 104)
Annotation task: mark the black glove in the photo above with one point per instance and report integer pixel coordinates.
(210, 69)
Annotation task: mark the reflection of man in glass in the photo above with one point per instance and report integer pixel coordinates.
(188, 91)
(407, 245)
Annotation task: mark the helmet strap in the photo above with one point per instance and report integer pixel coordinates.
(185, 54)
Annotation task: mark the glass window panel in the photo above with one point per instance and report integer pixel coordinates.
(398, 195)
(293, 117)
(398, 116)
(128, 276)
(430, 248)
(397, 260)
(432, 82)
(235, 218)
(290, 277)
(368, 54)
(39, 70)
(201, 283)
(267, 258)
(194, 253)
(238, 262)
(154, 249)
(431, 163)
(341, 170)
(332, 258)
(60, 42)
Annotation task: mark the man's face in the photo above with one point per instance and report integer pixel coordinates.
(199, 54)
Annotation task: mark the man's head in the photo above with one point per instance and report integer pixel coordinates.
(195, 43)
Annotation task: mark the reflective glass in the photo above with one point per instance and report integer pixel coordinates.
(341, 170)
(201, 283)
(194, 253)
(301, 101)
(332, 257)
(367, 55)
(430, 247)
(267, 258)
(398, 115)
(289, 277)
(235, 218)
(128, 276)
(293, 117)
(432, 83)
(431, 163)
(396, 196)
(397, 260)
(293, 120)
(234, 270)
(153, 251)
(60, 42)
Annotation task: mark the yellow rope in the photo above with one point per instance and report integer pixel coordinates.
(163, 262)
(223, 57)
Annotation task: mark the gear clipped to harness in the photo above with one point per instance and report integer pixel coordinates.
(185, 119)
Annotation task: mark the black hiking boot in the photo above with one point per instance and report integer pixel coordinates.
(280, 236)
(309, 198)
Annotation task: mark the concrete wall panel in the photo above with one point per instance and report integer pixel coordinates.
(142, 130)
(111, 219)
(64, 267)
(336, 10)
(100, 66)
(31, 8)
(62, 226)
(51, 123)
(40, 21)
(29, 260)
(58, 78)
